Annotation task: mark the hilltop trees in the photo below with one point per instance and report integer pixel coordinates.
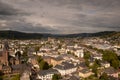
(112, 58)
(43, 64)
(87, 56)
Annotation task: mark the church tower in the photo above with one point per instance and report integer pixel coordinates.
(6, 54)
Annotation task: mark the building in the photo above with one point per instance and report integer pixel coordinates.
(53, 60)
(84, 73)
(79, 53)
(111, 72)
(33, 61)
(105, 64)
(25, 75)
(97, 56)
(4, 54)
(66, 68)
(56, 61)
(46, 74)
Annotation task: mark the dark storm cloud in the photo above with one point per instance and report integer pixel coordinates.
(7, 10)
(61, 16)
(21, 26)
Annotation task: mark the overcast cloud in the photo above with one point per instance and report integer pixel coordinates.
(60, 16)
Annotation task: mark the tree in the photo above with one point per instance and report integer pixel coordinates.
(59, 46)
(68, 52)
(95, 67)
(44, 65)
(1, 77)
(37, 49)
(39, 59)
(115, 64)
(87, 55)
(87, 63)
(104, 76)
(112, 58)
(56, 77)
(16, 77)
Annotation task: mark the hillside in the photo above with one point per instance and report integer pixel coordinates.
(114, 37)
(19, 35)
(109, 35)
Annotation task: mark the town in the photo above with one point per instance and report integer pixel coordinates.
(59, 59)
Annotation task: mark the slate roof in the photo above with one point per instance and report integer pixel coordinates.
(20, 67)
(49, 71)
(65, 66)
(110, 70)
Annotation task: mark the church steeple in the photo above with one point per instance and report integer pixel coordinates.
(6, 46)
(6, 53)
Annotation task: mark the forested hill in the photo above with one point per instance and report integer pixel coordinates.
(19, 35)
(8, 34)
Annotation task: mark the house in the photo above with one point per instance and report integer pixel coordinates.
(57, 60)
(20, 68)
(84, 73)
(66, 68)
(111, 72)
(25, 75)
(46, 74)
(6, 69)
(105, 64)
(70, 57)
(47, 59)
(53, 60)
(97, 56)
(79, 53)
(33, 61)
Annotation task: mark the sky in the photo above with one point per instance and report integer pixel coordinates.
(60, 16)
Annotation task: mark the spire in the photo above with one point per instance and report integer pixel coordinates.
(6, 46)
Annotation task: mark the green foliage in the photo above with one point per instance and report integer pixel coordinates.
(1, 77)
(87, 63)
(112, 58)
(50, 66)
(95, 67)
(39, 59)
(37, 49)
(115, 63)
(104, 76)
(59, 46)
(16, 77)
(87, 55)
(56, 77)
(25, 52)
(68, 52)
(43, 64)
(8, 34)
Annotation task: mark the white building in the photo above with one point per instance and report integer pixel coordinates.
(85, 73)
(97, 56)
(105, 64)
(79, 53)
(46, 74)
(66, 68)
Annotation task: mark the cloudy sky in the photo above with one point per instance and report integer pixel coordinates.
(60, 16)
